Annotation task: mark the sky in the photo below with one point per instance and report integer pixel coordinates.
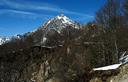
(22, 16)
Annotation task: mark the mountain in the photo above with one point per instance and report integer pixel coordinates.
(3, 40)
(52, 31)
(59, 22)
(49, 33)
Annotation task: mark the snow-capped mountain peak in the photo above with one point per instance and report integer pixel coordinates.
(59, 22)
(64, 19)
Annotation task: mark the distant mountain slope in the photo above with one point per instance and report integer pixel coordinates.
(3, 40)
(59, 22)
(52, 31)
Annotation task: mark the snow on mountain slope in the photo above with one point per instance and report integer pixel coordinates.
(55, 24)
(53, 28)
(3, 40)
(59, 22)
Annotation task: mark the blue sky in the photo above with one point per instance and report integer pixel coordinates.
(21, 16)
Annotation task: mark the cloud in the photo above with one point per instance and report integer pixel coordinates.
(23, 14)
(11, 11)
(40, 7)
(30, 5)
(20, 12)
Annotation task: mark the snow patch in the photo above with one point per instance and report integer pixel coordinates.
(110, 67)
(44, 39)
